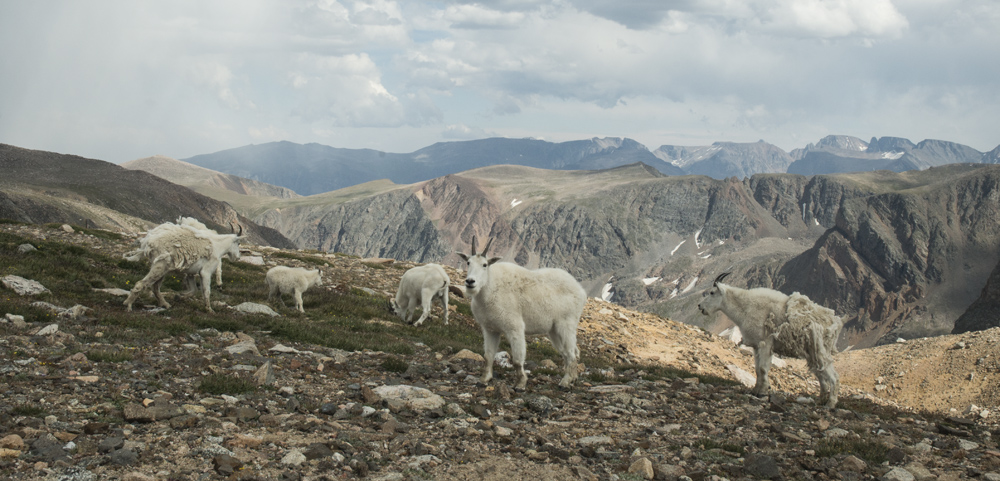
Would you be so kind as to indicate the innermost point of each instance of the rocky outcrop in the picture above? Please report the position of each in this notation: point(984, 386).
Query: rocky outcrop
point(908, 261)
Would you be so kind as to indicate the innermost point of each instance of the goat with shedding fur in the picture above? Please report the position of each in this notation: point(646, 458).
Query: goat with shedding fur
point(512, 301)
point(421, 285)
point(291, 280)
point(171, 247)
point(773, 322)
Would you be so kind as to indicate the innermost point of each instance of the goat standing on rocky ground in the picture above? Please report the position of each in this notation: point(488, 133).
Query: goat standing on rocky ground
point(421, 284)
point(291, 280)
point(791, 326)
point(512, 301)
point(171, 247)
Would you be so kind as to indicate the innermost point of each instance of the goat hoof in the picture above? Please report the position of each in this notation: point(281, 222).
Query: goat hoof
point(519, 389)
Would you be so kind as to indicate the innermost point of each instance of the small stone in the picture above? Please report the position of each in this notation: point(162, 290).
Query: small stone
point(466, 354)
point(898, 474)
point(26, 248)
point(853, 464)
point(14, 442)
point(67, 228)
point(124, 457)
point(225, 464)
point(294, 458)
point(642, 467)
point(761, 466)
point(242, 347)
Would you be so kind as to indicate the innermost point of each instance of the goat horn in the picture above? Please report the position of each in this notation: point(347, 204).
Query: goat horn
point(720, 278)
point(474, 242)
point(488, 242)
point(240, 233)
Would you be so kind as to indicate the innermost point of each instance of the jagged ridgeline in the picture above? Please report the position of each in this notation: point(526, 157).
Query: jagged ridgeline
point(41, 187)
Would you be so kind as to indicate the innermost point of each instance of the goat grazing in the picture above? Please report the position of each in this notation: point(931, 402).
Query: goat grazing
point(421, 284)
point(291, 280)
point(791, 326)
point(171, 247)
point(512, 301)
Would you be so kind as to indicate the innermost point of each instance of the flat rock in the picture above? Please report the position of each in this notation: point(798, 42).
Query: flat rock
point(22, 286)
point(416, 398)
point(255, 308)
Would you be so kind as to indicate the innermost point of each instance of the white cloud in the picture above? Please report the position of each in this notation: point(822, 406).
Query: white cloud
point(120, 79)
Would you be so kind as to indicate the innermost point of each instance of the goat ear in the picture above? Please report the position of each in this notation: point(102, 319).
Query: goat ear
point(463, 256)
point(490, 241)
point(720, 278)
point(475, 244)
point(493, 260)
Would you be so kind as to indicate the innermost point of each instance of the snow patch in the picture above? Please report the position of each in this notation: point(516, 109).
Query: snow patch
point(892, 155)
point(803, 212)
point(697, 243)
point(678, 247)
point(515, 203)
point(673, 293)
point(649, 280)
point(690, 286)
point(606, 292)
point(706, 256)
point(816, 221)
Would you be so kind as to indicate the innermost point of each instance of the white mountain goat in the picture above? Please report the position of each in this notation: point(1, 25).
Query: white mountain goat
point(791, 326)
point(510, 300)
point(421, 284)
point(171, 247)
point(291, 280)
point(191, 280)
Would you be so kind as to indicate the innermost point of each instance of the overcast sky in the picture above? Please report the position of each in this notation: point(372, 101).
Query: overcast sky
point(120, 80)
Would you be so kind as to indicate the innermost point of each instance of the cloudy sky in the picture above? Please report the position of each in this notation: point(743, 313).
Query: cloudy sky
point(119, 80)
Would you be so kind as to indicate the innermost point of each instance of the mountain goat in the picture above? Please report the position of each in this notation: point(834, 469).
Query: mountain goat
point(421, 284)
point(512, 301)
point(171, 247)
point(791, 326)
point(192, 280)
point(291, 280)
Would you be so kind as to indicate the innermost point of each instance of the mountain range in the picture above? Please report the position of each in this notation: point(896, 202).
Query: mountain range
point(313, 168)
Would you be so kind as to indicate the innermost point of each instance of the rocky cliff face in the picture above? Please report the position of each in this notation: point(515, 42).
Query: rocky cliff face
point(905, 262)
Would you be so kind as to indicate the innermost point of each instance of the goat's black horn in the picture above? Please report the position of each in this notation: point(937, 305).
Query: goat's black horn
point(240, 233)
point(720, 278)
point(474, 244)
point(488, 242)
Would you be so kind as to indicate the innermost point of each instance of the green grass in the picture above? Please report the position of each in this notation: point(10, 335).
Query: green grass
point(28, 410)
point(395, 364)
point(871, 450)
point(218, 384)
point(109, 355)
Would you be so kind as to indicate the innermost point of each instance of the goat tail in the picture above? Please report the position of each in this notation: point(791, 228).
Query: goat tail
point(134, 256)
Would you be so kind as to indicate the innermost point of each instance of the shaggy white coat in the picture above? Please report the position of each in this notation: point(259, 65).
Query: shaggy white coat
point(190, 280)
point(291, 280)
point(421, 285)
point(171, 247)
point(512, 301)
point(773, 322)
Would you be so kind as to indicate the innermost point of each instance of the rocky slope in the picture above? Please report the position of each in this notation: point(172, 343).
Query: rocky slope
point(201, 179)
point(43, 187)
point(330, 414)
